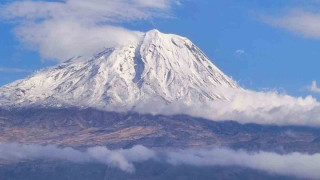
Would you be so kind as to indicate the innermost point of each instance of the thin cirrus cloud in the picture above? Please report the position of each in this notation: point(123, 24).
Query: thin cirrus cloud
point(61, 30)
point(293, 164)
point(298, 21)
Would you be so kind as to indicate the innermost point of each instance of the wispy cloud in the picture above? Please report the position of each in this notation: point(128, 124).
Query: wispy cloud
point(294, 164)
point(313, 87)
point(298, 21)
point(14, 70)
point(239, 52)
point(60, 30)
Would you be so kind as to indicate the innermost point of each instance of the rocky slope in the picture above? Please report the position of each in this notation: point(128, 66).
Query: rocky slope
point(90, 127)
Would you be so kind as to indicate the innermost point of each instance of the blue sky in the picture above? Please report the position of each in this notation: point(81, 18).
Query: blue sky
point(233, 33)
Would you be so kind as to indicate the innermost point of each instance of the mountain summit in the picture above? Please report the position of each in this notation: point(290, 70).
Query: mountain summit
point(162, 67)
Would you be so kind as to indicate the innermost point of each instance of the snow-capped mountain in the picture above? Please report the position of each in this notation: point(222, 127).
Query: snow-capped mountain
point(162, 67)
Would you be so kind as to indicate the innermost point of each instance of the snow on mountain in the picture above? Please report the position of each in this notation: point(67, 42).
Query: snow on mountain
point(163, 67)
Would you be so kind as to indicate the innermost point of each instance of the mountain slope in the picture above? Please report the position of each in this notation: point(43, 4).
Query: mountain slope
point(91, 127)
point(160, 67)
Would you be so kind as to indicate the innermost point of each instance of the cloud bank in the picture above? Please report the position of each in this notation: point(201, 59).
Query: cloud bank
point(61, 30)
point(122, 158)
point(247, 106)
point(294, 164)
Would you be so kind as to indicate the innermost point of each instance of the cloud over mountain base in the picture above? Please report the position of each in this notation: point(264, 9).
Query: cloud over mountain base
point(246, 106)
point(293, 164)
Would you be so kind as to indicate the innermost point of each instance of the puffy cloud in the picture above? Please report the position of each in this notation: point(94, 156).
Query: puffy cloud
point(299, 22)
point(65, 39)
point(61, 30)
point(247, 106)
point(293, 164)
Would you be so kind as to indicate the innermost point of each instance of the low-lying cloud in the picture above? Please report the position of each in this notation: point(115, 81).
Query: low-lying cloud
point(293, 164)
point(247, 106)
point(122, 158)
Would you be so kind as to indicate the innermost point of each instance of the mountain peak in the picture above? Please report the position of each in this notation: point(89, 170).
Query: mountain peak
point(153, 31)
point(163, 67)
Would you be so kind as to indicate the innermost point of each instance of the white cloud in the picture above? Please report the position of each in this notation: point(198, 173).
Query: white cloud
point(153, 3)
point(61, 30)
point(293, 164)
point(87, 11)
point(314, 87)
point(247, 106)
point(14, 70)
point(299, 22)
point(122, 158)
point(239, 52)
point(64, 39)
